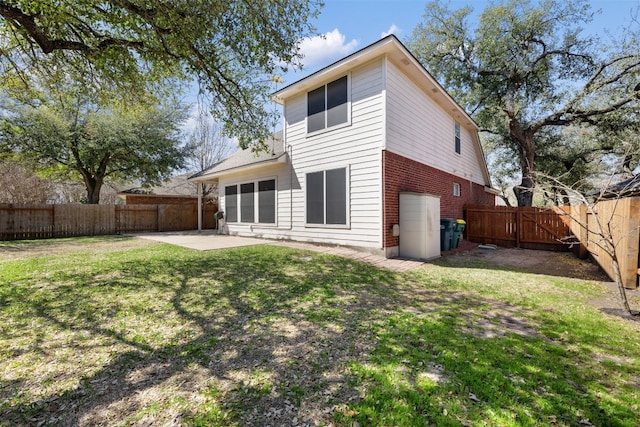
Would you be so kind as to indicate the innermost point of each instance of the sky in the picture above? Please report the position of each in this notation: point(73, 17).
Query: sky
point(349, 25)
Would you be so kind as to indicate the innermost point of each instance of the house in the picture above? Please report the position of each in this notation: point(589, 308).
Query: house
point(356, 135)
point(627, 188)
point(177, 190)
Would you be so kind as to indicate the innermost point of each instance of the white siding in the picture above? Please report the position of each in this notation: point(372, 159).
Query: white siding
point(420, 129)
point(279, 172)
point(357, 146)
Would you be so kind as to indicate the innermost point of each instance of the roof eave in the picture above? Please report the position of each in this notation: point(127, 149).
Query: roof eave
point(281, 159)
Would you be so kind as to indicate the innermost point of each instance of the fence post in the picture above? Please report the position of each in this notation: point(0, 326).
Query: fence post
point(583, 228)
point(518, 226)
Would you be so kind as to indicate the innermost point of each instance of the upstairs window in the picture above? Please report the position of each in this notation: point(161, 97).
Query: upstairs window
point(327, 105)
point(457, 137)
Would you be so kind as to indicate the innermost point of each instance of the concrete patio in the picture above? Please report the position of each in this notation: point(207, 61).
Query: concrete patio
point(207, 240)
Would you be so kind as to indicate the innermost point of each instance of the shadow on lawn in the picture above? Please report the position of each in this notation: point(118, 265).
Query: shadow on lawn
point(280, 337)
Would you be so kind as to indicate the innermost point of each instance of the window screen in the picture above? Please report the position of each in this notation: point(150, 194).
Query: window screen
point(336, 207)
point(327, 105)
point(231, 203)
point(247, 204)
point(315, 198)
point(337, 102)
point(327, 197)
point(315, 110)
point(457, 137)
point(267, 201)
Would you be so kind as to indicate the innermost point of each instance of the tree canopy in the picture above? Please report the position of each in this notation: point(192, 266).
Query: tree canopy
point(527, 69)
point(231, 48)
point(74, 138)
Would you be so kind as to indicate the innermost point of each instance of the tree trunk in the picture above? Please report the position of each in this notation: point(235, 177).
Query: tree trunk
point(93, 193)
point(524, 191)
point(93, 185)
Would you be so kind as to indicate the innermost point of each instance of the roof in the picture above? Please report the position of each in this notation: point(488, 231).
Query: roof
point(627, 188)
point(174, 186)
point(246, 159)
point(396, 52)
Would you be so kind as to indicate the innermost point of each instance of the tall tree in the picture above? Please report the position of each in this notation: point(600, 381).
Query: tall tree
point(230, 47)
point(74, 138)
point(207, 143)
point(527, 67)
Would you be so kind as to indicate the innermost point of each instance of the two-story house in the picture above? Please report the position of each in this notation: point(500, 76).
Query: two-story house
point(356, 134)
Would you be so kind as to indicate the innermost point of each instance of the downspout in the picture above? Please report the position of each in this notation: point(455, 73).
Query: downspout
point(290, 150)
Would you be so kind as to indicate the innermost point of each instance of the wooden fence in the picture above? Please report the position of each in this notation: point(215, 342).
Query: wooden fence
point(46, 221)
point(529, 228)
point(622, 218)
point(564, 228)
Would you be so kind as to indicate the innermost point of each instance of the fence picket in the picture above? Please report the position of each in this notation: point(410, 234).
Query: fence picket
point(564, 228)
point(45, 221)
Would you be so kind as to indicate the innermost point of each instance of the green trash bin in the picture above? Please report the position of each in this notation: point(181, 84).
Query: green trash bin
point(447, 226)
point(457, 233)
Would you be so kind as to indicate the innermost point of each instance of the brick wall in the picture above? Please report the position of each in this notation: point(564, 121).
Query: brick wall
point(403, 174)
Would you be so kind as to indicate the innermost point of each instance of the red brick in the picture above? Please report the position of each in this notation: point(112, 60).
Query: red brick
point(400, 174)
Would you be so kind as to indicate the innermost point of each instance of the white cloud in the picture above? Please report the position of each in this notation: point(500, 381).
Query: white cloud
point(322, 49)
point(393, 29)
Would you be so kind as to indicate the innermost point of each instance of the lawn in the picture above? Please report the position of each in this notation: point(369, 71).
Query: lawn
point(111, 331)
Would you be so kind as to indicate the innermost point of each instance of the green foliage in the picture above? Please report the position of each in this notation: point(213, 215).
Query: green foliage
point(527, 69)
point(231, 48)
point(70, 137)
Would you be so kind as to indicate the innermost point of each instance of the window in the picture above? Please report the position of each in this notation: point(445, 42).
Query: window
point(327, 197)
point(231, 203)
point(264, 200)
point(327, 105)
point(457, 137)
point(247, 202)
point(456, 189)
point(267, 201)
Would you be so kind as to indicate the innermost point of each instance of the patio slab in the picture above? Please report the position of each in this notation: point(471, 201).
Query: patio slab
point(205, 240)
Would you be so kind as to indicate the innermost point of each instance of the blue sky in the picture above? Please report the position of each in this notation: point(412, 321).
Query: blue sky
point(349, 25)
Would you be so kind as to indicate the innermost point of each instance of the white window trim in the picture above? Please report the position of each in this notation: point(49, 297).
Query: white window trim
point(457, 189)
point(346, 226)
point(456, 124)
point(332, 128)
point(256, 201)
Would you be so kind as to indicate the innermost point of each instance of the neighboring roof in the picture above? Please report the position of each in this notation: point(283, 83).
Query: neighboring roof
point(627, 188)
point(175, 186)
point(246, 159)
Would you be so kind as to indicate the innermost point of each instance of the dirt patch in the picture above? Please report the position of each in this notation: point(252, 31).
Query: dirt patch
point(560, 264)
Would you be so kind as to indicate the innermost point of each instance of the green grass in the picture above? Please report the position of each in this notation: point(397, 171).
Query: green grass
point(104, 332)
